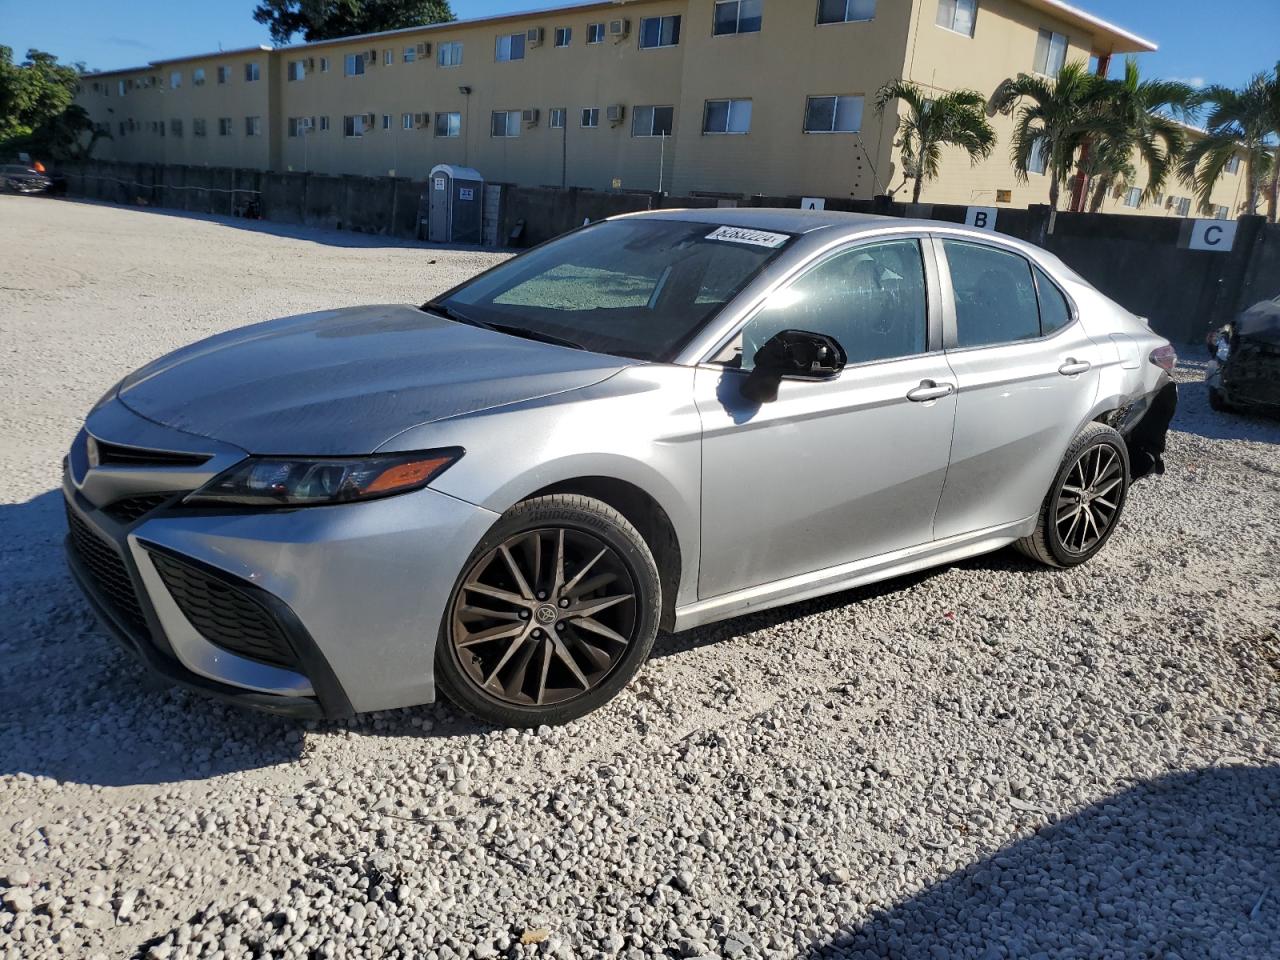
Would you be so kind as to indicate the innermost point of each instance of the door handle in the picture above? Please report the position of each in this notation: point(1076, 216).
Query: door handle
point(1071, 366)
point(928, 390)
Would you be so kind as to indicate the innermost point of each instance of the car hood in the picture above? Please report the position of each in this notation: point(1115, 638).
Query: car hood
point(346, 381)
point(1261, 322)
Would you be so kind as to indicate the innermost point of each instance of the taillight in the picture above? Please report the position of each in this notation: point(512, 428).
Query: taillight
point(1166, 358)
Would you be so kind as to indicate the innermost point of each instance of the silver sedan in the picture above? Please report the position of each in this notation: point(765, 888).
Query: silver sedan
point(657, 421)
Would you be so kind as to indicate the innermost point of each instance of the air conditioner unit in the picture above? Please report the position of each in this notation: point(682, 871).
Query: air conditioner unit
point(305, 123)
point(421, 119)
point(424, 50)
point(371, 57)
point(619, 28)
point(530, 117)
point(534, 36)
point(615, 112)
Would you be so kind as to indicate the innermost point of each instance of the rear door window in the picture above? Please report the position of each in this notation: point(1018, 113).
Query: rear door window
point(1054, 311)
point(995, 295)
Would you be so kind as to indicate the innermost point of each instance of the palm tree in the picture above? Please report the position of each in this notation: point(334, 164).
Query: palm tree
point(1135, 118)
point(1239, 120)
point(1057, 118)
point(955, 119)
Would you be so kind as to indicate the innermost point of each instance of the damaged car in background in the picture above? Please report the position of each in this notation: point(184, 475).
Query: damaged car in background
point(1244, 361)
point(661, 420)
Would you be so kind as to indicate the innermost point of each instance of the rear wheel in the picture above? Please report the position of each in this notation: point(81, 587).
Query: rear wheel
point(1084, 504)
point(554, 612)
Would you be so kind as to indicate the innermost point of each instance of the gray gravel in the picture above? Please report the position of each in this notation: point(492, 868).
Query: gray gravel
point(989, 761)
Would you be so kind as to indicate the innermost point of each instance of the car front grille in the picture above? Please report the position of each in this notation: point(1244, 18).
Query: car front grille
point(107, 571)
point(133, 509)
point(116, 455)
point(225, 615)
point(1253, 372)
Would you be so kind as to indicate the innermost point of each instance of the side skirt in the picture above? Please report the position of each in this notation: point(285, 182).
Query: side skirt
point(847, 575)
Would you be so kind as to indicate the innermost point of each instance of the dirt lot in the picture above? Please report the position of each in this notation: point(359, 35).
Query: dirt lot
point(989, 761)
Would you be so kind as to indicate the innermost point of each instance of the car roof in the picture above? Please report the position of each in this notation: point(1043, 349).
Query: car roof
point(769, 218)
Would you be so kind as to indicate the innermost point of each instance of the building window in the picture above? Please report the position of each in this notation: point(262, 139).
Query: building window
point(1233, 165)
point(509, 48)
point(297, 70)
point(251, 72)
point(224, 126)
point(175, 127)
point(845, 11)
point(386, 121)
point(652, 121)
point(410, 54)
point(406, 121)
point(555, 118)
point(198, 127)
point(353, 65)
point(353, 126)
point(175, 80)
point(1037, 162)
point(120, 87)
point(252, 126)
point(1184, 206)
point(292, 126)
point(590, 116)
point(737, 16)
point(324, 64)
point(505, 123)
point(224, 75)
point(324, 123)
point(958, 15)
point(448, 124)
point(595, 33)
point(1221, 213)
point(1133, 197)
point(659, 32)
point(450, 54)
point(833, 114)
point(197, 77)
point(1051, 53)
point(727, 116)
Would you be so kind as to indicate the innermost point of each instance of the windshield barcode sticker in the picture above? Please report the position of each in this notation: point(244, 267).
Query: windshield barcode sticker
point(757, 238)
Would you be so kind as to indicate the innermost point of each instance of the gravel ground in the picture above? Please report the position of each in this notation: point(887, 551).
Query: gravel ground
point(991, 760)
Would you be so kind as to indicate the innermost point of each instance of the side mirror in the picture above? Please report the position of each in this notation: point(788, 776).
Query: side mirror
point(792, 355)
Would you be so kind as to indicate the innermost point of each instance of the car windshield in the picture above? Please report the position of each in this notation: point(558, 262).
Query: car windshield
point(639, 288)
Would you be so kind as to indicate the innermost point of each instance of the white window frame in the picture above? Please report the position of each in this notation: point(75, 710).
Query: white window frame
point(410, 54)
point(557, 113)
point(1038, 158)
point(356, 125)
point(835, 112)
point(324, 64)
point(1044, 43)
point(732, 104)
point(388, 57)
point(353, 65)
point(452, 130)
point(197, 77)
point(445, 52)
point(253, 126)
point(1133, 197)
point(386, 121)
point(252, 72)
point(324, 123)
point(297, 71)
point(120, 87)
point(510, 41)
point(591, 114)
point(563, 37)
point(406, 121)
point(511, 120)
point(1233, 165)
point(652, 108)
point(596, 32)
point(950, 10)
point(737, 31)
point(847, 18)
point(675, 20)
point(225, 126)
point(175, 79)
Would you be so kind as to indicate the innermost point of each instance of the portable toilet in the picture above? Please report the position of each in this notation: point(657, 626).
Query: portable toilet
point(456, 209)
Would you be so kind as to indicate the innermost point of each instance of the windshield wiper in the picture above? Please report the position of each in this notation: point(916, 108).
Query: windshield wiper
point(509, 329)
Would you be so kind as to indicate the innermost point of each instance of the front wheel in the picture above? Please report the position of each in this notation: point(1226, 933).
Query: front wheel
point(553, 614)
point(1217, 401)
point(1084, 503)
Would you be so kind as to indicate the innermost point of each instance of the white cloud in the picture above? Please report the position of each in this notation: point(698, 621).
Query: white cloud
point(1198, 82)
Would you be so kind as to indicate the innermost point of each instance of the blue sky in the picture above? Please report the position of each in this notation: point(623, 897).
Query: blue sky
point(1200, 41)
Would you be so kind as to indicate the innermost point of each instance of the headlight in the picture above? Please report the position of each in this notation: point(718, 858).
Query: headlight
point(1222, 348)
point(306, 481)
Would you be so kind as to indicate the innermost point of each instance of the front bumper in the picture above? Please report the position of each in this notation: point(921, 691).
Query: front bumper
point(324, 611)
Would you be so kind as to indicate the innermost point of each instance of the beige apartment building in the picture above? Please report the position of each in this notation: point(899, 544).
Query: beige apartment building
point(719, 97)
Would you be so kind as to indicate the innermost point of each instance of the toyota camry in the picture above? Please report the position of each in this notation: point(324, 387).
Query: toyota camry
point(655, 422)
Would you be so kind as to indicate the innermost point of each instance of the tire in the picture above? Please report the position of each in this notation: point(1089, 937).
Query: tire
point(1056, 544)
point(578, 639)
